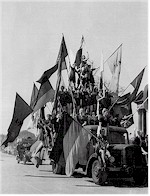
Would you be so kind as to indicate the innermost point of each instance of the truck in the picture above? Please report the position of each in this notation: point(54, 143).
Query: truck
point(129, 162)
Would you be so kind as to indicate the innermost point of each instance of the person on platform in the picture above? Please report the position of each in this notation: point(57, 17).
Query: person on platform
point(82, 119)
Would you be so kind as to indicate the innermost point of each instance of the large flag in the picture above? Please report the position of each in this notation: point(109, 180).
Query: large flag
point(33, 96)
point(71, 143)
point(21, 111)
point(61, 65)
point(45, 94)
point(75, 146)
point(114, 63)
point(136, 84)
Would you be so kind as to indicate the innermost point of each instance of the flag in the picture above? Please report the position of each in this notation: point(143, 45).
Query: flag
point(57, 151)
point(70, 143)
point(123, 107)
point(142, 96)
point(21, 111)
point(78, 58)
point(136, 84)
point(74, 146)
point(114, 63)
point(61, 65)
point(47, 74)
point(45, 94)
point(33, 96)
point(62, 55)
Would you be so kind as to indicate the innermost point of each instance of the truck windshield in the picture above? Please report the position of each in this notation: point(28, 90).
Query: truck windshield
point(118, 138)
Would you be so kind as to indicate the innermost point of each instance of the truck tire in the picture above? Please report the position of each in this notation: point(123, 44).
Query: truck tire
point(99, 176)
point(140, 177)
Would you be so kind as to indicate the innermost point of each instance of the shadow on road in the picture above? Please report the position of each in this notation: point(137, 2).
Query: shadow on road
point(87, 185)
point(45, 176)
point(120, 184)
point(46, 170)
point(79, 175)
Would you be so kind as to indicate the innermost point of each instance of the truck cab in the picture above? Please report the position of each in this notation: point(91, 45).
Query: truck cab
point(128, 159)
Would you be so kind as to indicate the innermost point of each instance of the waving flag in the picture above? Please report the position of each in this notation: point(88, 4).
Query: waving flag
point(136, 84)
point(123, 107)
point(61, 65)
point(114, 63)
point(78, 57)
point(71, 143)
point(45, 94)
point(21, 111)
point(75, 145)
point(47, 74)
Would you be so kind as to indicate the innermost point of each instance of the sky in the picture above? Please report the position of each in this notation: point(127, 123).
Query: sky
point(31, 34)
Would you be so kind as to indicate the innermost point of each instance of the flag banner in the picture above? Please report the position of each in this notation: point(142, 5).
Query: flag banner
point(21, 111)
point(33, 96)
point(78, 57)
point(47, 74)
point(75, 146)
point(61, 59)
point(70, 144)
point(123, 107)
point(142, 96)
point(57, 151)
point(139, 98)
point(45, 94)
point(114, 63)
point(136, 84)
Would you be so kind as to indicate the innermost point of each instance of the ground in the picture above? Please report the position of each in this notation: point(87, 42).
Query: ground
point(27, 179)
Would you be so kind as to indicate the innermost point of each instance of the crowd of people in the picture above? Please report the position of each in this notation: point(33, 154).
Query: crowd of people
point(85, 102)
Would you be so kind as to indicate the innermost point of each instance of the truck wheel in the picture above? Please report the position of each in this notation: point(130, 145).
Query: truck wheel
point(140, 178)
point(99, 176)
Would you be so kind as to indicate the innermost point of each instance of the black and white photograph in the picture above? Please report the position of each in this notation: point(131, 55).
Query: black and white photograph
point(74, 97)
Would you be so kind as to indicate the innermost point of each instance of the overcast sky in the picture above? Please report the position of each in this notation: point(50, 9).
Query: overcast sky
point(32, 32)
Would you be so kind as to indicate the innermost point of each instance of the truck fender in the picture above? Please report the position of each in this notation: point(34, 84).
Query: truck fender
point(91, 159)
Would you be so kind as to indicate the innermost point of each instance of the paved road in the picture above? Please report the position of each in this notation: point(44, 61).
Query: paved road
point(27, 179)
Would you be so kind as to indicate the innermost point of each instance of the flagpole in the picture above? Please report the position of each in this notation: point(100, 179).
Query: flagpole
point(113, 53)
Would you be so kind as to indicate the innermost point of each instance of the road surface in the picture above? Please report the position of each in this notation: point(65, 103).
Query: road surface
point(27, 179)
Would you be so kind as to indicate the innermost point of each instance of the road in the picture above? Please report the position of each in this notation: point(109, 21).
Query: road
point(27, 179)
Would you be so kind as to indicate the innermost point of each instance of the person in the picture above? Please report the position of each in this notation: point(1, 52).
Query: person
point(102, 132)
point(93, 119)
point(104, 121)
point(41, 138)
point(102, 149)
point(48, 127)
point(125, 121)
point(82, 119)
